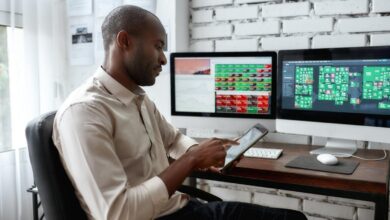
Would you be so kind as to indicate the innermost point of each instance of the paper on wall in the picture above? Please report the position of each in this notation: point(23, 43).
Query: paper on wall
point(149, 5)
point(103, 7)
point(81, 41)
point(79, 7)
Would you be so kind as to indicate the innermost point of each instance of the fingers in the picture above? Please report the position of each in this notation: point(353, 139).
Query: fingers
point(229, 142)
point(225, 142)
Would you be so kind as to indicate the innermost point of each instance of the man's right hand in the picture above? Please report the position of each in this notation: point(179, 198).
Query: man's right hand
point(210, 153)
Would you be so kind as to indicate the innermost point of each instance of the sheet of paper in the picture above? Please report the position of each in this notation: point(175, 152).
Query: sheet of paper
point(79, 7)
point(103, 7)
point(81, 49)
point(149, 5)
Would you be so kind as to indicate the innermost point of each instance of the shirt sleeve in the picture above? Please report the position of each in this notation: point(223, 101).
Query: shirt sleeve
point(83, 135)
point(176, 143)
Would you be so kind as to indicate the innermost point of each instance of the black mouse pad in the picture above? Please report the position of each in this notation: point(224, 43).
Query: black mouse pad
point(344, 166)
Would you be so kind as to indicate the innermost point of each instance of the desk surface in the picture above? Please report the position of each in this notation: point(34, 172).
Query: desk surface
point(369, 176)
point(369, 181)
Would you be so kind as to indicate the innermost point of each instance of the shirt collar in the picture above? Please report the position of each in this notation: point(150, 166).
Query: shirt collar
point(115, 88)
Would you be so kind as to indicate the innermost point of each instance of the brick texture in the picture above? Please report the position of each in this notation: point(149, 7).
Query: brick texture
point(380, 6)
point(237, 45)
point(285, 43)
point(341, 7)
point(244, 12)
point(212, 31)
point(308, 25)
point(286, 10)
point(276, 201)
point(202, 16)
point(364, 24)
point(334, 41)
point(326, 209)
point(258, 28)
point(205, 3)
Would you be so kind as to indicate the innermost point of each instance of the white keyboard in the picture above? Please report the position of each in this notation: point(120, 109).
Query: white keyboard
point(268, 153)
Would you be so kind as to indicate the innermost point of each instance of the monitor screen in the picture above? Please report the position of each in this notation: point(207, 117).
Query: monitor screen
point(336, 85)
point(223, 84)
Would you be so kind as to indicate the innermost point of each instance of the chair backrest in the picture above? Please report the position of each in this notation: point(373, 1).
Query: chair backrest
point(55, 190)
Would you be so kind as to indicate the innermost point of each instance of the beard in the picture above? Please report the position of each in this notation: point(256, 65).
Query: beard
point(141, 69)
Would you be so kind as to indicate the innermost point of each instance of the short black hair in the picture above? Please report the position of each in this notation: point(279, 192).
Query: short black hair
point(126, 17)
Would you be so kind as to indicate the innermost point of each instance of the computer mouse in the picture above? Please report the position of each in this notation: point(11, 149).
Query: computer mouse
point(327, 159)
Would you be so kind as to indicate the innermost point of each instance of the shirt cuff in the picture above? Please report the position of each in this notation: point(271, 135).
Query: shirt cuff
point(158, 193)
point(181, 146)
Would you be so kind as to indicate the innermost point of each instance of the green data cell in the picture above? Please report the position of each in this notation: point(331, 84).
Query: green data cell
point(376, 82)
point(383, 105)
point(305, 102)
point(333, 84)
point(304, 87)
point(243, 77)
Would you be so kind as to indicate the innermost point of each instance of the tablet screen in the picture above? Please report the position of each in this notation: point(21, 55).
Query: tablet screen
point(250, 138)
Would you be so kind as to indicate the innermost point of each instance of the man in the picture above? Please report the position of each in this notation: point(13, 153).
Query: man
point(115, 144)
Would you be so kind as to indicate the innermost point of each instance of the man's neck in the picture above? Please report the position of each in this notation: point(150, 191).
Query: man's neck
point(122, 77)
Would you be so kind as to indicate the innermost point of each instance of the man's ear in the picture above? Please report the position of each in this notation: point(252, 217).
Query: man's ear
point(124, 40)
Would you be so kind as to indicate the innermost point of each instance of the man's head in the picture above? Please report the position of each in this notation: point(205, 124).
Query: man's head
point(133, 40)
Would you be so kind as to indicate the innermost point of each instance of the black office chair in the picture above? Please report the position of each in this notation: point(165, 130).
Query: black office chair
point(55, 190)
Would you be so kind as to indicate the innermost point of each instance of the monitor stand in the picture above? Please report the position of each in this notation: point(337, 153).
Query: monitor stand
point(337, 147)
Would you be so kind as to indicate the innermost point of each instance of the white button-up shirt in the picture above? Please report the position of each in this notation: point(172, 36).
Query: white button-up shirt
point(113, 144)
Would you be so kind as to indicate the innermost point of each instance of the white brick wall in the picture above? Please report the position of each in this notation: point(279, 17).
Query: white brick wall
point(364, 24)
point(237, 45)
point(380, 39)
point(250, 25)
point(244, 12)
point(340, 7)
point(202, 16)
point(212, 31)
point(204, 3)
point(333, 41)
point(257, 28)
point(380, 6)
point(367, 214)
point(254, 1)
point(308, 25)
point(326, 209)
point(276, 201)
point(202, 46)
point(285, 43)
point(286, 10)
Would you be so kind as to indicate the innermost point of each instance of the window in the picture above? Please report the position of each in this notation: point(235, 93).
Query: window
point(5, 86)
point(5, 109)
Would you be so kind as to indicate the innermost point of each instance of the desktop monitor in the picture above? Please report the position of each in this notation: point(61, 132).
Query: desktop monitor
point(223, 92)
point(339, 93)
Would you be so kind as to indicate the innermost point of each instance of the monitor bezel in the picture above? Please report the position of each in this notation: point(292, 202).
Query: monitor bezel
point(271, 54)
point(330, 54)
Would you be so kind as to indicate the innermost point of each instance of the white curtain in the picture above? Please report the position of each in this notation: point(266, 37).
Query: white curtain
point(36, 81)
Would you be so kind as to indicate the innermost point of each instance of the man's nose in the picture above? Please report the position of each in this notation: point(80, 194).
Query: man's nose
point(163, 58)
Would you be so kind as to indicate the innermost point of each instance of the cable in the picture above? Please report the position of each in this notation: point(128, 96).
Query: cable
point(362, 158)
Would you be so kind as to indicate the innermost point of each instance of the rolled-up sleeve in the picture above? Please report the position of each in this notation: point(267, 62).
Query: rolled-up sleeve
point(83, 135)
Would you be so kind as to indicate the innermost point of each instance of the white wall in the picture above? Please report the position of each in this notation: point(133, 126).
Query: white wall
point(257, 25)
